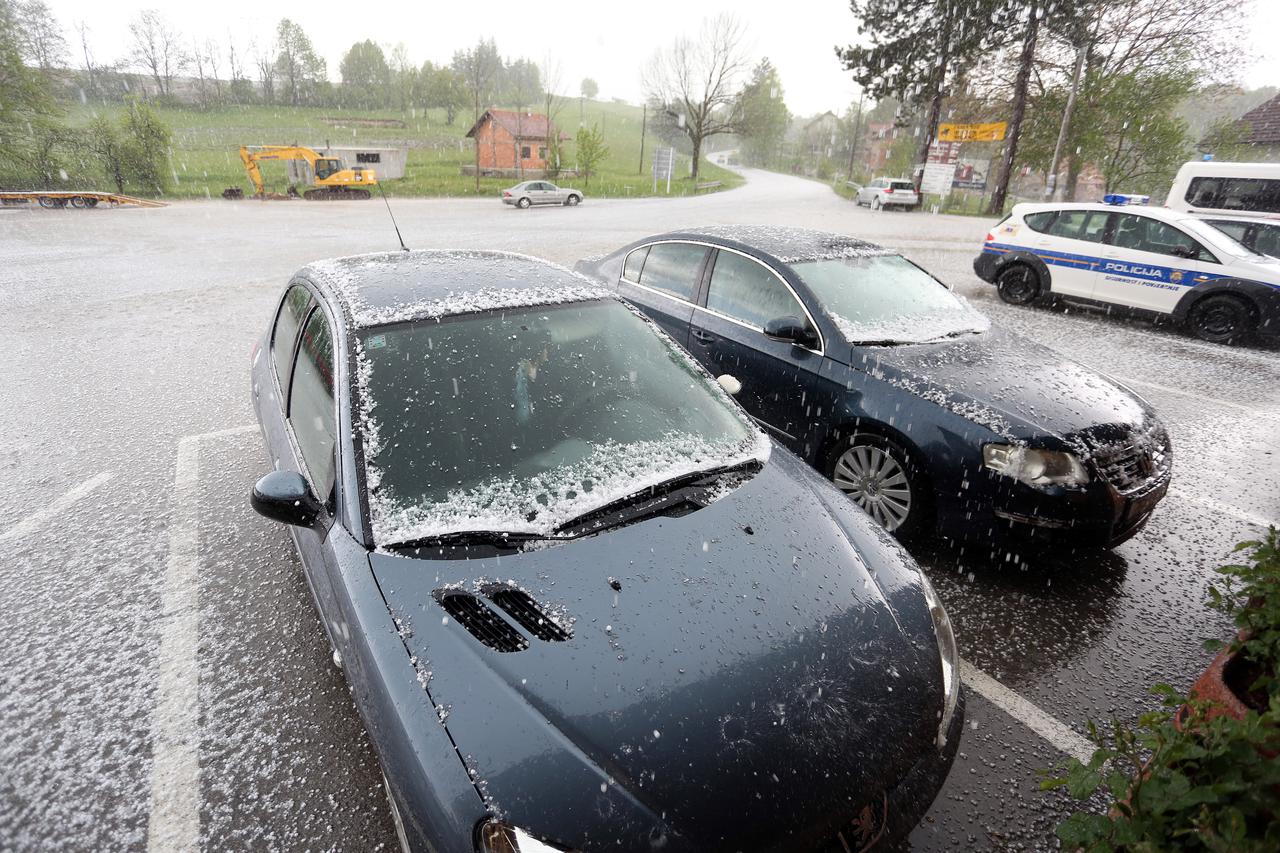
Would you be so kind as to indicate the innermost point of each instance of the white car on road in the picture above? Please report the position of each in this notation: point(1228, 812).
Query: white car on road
point(888, 192)
point(1149, 258)
point(528, 193)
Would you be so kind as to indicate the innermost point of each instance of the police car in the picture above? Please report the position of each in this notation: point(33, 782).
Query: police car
point(1148, 258)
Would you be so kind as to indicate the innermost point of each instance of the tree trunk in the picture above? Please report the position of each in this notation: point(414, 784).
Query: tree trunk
point(1074, 168)
point(1019, 109)
point(697, 155)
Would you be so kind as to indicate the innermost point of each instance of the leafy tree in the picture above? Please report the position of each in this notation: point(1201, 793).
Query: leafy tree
point(763, 116)
point(589, 88)
point(43, 44)
point(403, 77)
point(104, 142)
point(478, 67)
point(300, 69)
point(917, 49)
point(146, 148)
point(156, 48)
point(693, 81)
point(25, 100)
point(519, 84)
point(443, 88)
point(591, 151)
point(366, 76)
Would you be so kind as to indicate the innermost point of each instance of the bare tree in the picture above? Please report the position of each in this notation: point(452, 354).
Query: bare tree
point(693, 81)
point(198, 60)
point(479, 67)
point(156, 50)
point(552, 103)
point(43, 44)
point(211, 54)
point(266, 65)
point(91, 68)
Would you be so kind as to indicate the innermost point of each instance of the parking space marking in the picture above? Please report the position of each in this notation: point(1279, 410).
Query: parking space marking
point(174, 821)
point(1224, 509)
point(1181, 392)
point(63, 503)
point(1056, 733)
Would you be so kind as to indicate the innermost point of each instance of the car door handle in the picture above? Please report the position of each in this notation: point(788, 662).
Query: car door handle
point(702, 337)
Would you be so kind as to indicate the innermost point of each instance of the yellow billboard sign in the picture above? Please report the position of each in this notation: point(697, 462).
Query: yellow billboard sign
point(992, 132)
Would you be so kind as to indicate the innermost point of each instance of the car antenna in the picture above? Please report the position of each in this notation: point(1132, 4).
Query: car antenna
point(393, 218)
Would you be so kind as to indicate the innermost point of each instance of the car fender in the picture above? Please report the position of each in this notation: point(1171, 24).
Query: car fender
point(1265, 298)
point(1031, 259)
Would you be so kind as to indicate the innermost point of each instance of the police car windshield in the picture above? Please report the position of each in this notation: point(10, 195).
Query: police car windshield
point(886, 299)
point(1219, 241)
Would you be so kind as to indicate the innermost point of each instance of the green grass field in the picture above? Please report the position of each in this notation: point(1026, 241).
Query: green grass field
point(205, 145)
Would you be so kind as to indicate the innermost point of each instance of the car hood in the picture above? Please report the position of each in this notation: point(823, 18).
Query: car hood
point(1014, 387)
point(772, 648)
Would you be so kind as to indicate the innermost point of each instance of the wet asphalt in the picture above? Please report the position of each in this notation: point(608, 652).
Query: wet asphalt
point(124, 331)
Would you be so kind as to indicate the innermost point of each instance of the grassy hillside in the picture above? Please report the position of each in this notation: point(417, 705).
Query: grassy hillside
point(205, 144)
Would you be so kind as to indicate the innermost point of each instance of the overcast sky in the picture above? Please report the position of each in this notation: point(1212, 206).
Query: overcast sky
point(609, 40)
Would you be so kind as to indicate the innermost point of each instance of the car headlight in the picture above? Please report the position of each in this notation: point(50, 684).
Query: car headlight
point(1035, 467)
point(950, 658)
point(498, 837)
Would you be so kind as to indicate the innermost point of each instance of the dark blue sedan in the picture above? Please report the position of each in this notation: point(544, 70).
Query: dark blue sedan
point(899, 392)
point(582, 601)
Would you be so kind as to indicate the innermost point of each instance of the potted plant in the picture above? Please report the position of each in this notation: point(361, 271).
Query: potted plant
point(1200, 773)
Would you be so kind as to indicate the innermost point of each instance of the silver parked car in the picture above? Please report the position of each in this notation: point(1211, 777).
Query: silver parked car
point(540, 192)
point(888, 192)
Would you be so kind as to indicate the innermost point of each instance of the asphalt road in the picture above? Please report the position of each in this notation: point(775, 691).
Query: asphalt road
point(125, 349)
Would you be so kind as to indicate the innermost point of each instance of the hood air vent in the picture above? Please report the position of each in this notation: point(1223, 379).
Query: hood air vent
point(521, 607)
point(485, 625)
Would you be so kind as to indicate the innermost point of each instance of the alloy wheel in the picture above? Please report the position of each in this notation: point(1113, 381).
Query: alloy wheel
point(875, 481)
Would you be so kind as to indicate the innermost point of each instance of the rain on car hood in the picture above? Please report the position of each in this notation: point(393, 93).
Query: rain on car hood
point(779, 666)
point(1004, 382)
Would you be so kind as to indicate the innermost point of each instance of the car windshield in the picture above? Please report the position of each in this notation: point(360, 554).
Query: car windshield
point(520, 420)
point(1217, 239)
point(886, 299)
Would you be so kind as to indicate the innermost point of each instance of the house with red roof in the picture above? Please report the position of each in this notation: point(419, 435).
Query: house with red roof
point(513, 144)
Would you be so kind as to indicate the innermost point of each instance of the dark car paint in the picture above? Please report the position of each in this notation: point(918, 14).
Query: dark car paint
point(921, 396)
point(438, 705)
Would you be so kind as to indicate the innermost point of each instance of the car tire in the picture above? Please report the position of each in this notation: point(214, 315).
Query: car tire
point(401, 836)
point(523, 203)
point(1221, 319)
point(883, 479)
point(572, 200)
point(1018, 284)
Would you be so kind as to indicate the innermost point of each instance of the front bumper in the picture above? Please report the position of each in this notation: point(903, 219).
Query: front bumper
point(985, 266)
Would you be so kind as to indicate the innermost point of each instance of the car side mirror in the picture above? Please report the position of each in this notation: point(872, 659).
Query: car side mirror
point(791, 329)
point(284, 496)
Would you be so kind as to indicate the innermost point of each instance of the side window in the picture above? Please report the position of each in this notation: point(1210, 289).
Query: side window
point(634, 263)
point(1095, 227)
point(1266, 240)
point(1234, 230)
point(672, 268)
point(1254, 194)
point(295, 304)
point(1080, 225)
point(1152, 235)
point(747, 291)
point(524, 152)
point(1039, 221)
point(311, 403)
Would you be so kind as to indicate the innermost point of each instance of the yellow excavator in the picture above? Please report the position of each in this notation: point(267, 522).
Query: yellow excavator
point(331, 180)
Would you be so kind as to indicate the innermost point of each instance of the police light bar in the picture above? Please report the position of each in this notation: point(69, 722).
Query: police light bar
point(1125, 198)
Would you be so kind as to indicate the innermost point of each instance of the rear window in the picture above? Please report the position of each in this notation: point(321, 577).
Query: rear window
point(634, 263)
point(1253, 194)
point(903, 185)
point(1039, 221)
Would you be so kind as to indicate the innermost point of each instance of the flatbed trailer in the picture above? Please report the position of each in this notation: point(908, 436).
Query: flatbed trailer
point(74, 198)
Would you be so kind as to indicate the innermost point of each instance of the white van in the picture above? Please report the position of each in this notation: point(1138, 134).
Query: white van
point(1244, 189)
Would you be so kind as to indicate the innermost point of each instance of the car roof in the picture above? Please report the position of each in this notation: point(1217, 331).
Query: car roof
point(1232, 217)
point(1153, 211)
point(784, 244)
point(394, 287)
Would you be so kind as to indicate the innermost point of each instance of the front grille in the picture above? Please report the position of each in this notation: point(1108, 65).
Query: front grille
point(481, 622)
point(1133, 463)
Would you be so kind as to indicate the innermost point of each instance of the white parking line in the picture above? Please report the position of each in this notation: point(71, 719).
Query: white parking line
point(1056, 733)
point(174, 822)
point(63, 503)
point(1224, 509)
point(1182, 392)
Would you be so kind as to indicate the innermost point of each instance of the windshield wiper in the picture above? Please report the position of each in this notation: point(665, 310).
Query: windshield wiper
point(956, 334)
point(499, 538)
point(660, 499)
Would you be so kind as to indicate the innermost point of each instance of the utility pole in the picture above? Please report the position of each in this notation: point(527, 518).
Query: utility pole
point(853, 144)
point(1051, 179)
point(644, 120)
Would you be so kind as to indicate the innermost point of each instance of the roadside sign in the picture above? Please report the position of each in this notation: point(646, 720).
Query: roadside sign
point(943, 152)
point(664, 161)
point(937, 178)
point(990, 132)
point(971, 174)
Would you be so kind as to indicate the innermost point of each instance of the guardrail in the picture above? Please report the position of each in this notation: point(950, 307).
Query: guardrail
point(707, 185)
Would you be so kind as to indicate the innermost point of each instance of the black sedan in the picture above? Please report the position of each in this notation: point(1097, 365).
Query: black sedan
point(582, 601)
point(899, 392)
